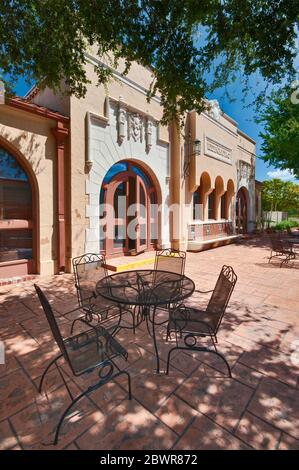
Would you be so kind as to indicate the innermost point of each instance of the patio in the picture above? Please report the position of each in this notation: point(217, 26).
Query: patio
point(196, 406)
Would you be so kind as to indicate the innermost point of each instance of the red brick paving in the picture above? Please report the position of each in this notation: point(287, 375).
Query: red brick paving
point(197, 406)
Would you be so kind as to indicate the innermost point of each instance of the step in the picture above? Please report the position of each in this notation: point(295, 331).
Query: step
point(126, 263)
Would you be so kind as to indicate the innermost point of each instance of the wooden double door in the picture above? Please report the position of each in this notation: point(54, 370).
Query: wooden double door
point(129, 216)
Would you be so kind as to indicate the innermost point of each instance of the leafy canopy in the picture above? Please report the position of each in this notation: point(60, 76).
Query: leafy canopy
point(192, 46)
point(281, 130)
point(278, 195)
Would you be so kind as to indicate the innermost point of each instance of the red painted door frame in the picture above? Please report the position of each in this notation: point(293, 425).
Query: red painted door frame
point(60, 132)
point(110, 188)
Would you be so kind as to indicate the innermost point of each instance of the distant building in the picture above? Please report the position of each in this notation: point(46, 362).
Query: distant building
point(60, 171)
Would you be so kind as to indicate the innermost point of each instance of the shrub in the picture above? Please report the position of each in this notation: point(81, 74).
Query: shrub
point(284, 224)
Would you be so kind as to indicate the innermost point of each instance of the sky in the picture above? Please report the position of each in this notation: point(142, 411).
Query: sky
point(239, 110)
point(242, 110)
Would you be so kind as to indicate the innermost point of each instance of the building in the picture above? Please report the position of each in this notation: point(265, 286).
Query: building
point(65, 162)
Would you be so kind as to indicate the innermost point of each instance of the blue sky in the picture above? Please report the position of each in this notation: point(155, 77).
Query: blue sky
point(242, 110)
point(237, 109)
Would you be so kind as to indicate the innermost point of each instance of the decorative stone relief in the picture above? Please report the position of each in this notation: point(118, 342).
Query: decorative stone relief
point(214, 111)
point(135, 127)
point(121, 120)
point(149, 132)
point(244, 170)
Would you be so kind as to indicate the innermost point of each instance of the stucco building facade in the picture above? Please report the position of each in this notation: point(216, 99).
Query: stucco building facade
point(100, 167)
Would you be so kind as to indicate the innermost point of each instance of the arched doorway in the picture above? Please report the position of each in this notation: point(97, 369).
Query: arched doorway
point(241, 211)
point(128, 210)
point(17, 217)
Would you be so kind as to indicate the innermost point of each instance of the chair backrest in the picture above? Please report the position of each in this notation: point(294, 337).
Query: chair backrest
point(221, 294)
point(52, 321)
point(170, 260)
point(276, 242)
point(88, 270)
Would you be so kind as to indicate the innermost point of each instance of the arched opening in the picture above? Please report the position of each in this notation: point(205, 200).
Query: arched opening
point(230, 191)
point(128, 210)
point(242, 210)
point(18, 235)
point(219, 199)
point(203, 199)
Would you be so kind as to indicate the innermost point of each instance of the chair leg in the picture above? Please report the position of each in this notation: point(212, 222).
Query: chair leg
point(76, 319)
point(168, 359)
point(45, 372)
point(90, 389)
point(199, 350)
point(65, 413)
point(214, 343)
point(167, 333)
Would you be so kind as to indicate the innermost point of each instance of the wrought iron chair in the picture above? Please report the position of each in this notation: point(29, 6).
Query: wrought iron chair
point(85, 352)
point(281, 247)
point(88, 270)
point(191, 323)
point(170, 260)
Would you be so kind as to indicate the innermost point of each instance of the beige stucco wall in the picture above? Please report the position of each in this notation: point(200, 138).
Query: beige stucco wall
point(31, 136)
point(55, 101)
point(83, 202)
point(224, 133)
point(81, 182)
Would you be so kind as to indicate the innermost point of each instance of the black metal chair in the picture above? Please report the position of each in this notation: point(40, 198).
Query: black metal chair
point(85, 352)
point(281, 248)
point(170, 260)
point(88, 270)
point(190, 323)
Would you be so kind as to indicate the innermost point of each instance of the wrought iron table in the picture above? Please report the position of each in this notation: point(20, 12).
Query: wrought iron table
point(147, 289)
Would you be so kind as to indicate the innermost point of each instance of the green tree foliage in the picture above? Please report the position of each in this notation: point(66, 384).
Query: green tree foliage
point(278, 195)
point(192, 46)
point(281, 135)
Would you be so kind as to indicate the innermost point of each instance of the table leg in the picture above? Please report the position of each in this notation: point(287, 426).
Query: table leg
point(155, 341)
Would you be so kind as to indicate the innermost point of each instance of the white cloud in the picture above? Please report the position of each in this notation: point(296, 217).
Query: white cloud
point(285, 175)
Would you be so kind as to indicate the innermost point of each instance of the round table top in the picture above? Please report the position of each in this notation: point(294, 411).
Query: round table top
point(145, 287)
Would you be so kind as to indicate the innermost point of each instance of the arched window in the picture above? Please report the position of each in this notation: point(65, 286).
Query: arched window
point(15, 215)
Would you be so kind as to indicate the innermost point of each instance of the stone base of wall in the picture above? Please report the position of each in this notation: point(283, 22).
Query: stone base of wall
point(209, 230)
point(17, 280)
point(200, 245)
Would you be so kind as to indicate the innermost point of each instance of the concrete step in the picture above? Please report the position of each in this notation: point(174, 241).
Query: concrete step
point(125, 263)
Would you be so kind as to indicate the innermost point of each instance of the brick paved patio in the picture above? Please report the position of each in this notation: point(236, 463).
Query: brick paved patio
point(196, 406)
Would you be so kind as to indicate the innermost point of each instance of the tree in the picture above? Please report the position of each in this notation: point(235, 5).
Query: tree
point(192, 46)
point(281, 135)
point(278, 195)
